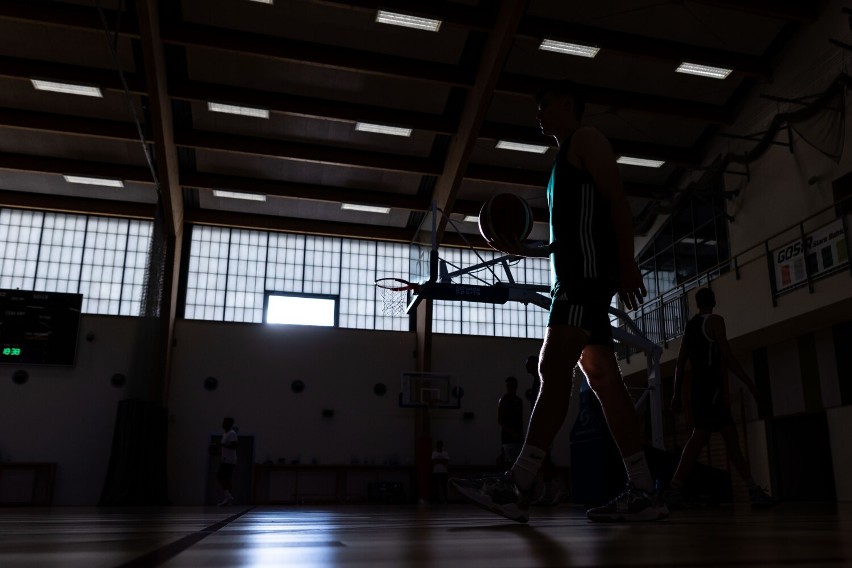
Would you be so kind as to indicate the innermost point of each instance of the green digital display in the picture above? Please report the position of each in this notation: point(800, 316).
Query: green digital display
point(12, 351)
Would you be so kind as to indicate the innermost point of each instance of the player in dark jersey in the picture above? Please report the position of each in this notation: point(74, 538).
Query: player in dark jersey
point(705, 347)
point(591, 257)
point(510, 418)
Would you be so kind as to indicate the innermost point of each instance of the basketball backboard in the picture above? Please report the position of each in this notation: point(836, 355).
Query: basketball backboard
point(432, 390)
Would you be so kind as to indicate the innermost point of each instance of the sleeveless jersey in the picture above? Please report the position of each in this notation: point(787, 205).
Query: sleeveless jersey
point(583, 242)
point(706, 360)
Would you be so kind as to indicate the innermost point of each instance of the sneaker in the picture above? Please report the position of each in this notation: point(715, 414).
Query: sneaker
point(760, 499)
point(631, 505)
point(498, 494)
point(225, 502)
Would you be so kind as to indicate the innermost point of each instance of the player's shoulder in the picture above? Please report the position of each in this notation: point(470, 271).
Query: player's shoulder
point(589, 140)
point(585, 134)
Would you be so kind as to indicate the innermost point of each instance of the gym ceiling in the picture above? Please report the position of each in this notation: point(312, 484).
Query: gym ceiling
point(312, 78)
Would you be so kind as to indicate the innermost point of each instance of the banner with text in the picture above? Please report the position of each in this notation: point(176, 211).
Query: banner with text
point(820, 253)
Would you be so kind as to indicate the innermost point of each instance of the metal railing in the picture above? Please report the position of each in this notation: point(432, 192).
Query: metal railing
point(663, 319)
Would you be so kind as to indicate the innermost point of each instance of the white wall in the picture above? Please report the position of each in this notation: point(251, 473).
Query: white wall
point(67, 414)
point(255, 365)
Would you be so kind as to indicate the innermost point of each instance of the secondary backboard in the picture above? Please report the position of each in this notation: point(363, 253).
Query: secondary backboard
point(433, 390)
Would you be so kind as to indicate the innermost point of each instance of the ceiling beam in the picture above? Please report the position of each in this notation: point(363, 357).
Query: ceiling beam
point(531, 135)
point(297, 225)
point(517, 85)
point(537, 29)
point(18, 68)
point(203, 140)
point(76, 205)
point(306, 53)
point(165, 150)
point(217, 141)
point(311, 106)
point(790, 10)
point(476, 104)
point(305, 191)
point(525, 86)
point(530, 178)
point(450, 13)
point(64, 15)
point(60, 166)
point(65, 124)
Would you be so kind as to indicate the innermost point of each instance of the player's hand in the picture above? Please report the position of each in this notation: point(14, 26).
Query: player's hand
point(511, 245)
point(631, 287)
point(676, 404)
point(508, 245)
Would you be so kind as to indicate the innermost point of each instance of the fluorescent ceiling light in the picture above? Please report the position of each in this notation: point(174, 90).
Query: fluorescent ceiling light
point(240, 110)
point(394, 19)
point(631, 161)
point(569, 48)
point(520, 147)
point(703, 70)
point(471, 219)
point(264, 1)
point(67, 88)
point(94, 181)
point(382, 129)
point(365, 208)
point(239, 195)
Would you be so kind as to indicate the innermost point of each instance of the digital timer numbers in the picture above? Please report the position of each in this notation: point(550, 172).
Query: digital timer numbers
point(12, 351)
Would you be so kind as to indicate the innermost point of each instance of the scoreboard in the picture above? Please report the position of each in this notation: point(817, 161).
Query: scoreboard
point(39, 328)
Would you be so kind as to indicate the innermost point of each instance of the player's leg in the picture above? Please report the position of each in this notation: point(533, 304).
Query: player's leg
point(638, 501)
point(509, 495)
point(224, 477)
point(732, 447)
point(696, 442)
point(758, 496)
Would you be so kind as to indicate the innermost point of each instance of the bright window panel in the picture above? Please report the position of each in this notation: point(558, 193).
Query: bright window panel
point(300, 310)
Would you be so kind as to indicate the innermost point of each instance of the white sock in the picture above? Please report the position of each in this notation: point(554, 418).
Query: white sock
point(527, 465)
point(638, 473)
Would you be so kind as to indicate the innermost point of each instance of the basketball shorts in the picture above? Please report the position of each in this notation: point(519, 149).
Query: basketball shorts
point(710, 411)
point(584, 304)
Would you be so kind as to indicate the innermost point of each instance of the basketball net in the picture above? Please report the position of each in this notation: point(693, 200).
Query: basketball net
point(393, 301)
point(394, 294)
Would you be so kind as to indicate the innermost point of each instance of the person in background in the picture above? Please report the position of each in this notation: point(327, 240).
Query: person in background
point(440, 468)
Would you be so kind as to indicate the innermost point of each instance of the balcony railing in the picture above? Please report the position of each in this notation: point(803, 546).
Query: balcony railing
point(816, 247)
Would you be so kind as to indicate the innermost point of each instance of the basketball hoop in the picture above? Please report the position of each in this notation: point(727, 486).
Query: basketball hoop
point(394, 294)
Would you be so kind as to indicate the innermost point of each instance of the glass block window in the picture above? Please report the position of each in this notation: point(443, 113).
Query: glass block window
point(207, 274)
point(20, 235)
point(232, 271)
point(511, 319)
point(103, 258)
point(246, 276)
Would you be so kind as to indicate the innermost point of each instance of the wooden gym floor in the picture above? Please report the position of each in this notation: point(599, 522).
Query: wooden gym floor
point(397, 536)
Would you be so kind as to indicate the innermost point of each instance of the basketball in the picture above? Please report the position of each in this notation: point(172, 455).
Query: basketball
point(503, 217)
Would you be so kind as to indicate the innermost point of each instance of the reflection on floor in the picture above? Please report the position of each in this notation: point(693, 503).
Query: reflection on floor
point(394, 536)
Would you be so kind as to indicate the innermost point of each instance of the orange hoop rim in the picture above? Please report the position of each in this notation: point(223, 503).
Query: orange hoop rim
point(395, 284)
